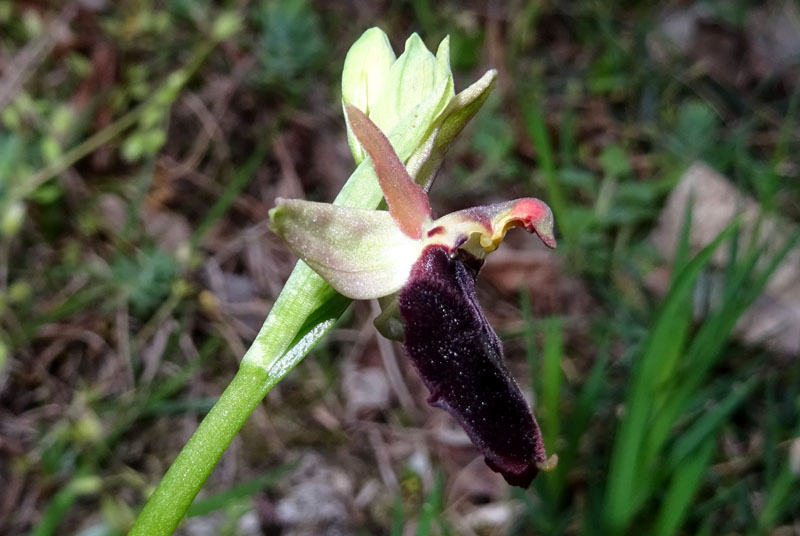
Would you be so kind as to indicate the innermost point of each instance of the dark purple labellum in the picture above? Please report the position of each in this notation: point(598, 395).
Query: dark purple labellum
point(460, 359)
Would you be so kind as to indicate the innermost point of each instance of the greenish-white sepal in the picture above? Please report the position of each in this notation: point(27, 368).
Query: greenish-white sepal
point(415, 126)
point(364, 74)
point(362, 253)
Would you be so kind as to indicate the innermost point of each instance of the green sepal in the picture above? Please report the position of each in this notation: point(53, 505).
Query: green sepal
point(361, 253)
point(416, 80)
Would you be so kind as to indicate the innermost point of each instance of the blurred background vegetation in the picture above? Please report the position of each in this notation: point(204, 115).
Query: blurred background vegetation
point(142, 144)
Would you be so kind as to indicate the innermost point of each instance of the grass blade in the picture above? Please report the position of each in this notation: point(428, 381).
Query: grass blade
point(682, 488)
point(551, 394)
point(83, 484)
point(240, 181)
point(706, 347)
point(397, 518)
point(432, 507)
point(223, 499)
point(779, 499)
point(537, 128)
point(551, 381)
point(624, 495)
point(708, 424)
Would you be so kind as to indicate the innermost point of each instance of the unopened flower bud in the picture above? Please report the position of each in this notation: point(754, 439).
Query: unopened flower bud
point(402, 96)
point(366, 68)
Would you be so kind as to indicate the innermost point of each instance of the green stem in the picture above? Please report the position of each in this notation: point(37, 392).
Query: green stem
point(191, 468)
point(268, 360)
point(284, 339)
point(275, 351)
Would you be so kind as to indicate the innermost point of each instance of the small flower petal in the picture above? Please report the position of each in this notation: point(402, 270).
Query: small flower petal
point(460, 359)
point(361, 253)
point(408, 203)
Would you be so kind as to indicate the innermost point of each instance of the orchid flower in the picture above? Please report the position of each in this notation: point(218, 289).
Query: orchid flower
point(429, 266)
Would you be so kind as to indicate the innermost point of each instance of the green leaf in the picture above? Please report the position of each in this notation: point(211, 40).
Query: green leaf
point(708, 424)
point(432, 507)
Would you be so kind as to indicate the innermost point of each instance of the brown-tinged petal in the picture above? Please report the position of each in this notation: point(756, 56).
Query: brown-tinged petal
point(407, 201)
point(460, 359)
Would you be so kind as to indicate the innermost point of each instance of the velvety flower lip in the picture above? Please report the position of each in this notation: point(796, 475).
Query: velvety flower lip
point(425, 271)
point(460, 359)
